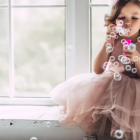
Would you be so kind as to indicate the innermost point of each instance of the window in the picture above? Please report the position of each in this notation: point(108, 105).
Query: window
point(32, 50)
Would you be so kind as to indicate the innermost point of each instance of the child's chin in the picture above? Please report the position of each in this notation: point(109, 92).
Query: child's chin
point(129, 35)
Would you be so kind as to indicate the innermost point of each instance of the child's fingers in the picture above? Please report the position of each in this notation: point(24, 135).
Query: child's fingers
point(126, 51)
point(111, 25)
point(110, 31)
point(126, 54)
point(109, 28)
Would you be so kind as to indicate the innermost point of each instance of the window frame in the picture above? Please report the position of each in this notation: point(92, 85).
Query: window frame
point(77, 52)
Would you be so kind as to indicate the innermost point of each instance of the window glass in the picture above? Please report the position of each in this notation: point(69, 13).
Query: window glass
point(98, 29)
point(39, 50)
point(3, 1)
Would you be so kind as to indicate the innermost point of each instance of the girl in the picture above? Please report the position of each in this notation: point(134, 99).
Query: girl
point(111, 92)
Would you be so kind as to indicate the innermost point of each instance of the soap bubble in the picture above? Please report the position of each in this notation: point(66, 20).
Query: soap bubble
point(120, 22)
point(132, 47)
point(123, 30)
point(112, 34)
point(123, 41)
point(116, 64)
point(126, 43)
point(125, 60)
point(135, 58)
point(109, 49)
point(117, 76)
point(108, 37)
point(118, 134)
point(48, 124)
point(116, 37)
point(126, 47)
point(121, 33)
point(127, 30)
point(114, 29)
point(128, 67)
point(138, 39)
point(112, 58)
point(134, 70)
point(119, 57)
point(126, 34)
point(119, 29)
point(108, 45)
point(104, 65)
point(33, 138)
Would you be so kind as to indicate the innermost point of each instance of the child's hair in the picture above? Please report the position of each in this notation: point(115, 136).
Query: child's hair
point(116, 9)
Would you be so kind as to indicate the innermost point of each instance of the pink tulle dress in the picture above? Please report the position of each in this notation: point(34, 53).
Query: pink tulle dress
point(88, 99)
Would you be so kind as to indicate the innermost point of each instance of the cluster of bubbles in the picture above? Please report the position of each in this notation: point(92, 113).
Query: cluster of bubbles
point(119, 29)
point(123, 59)
point(127, 47)
point(131, 47)
point(48, 124)
point(109, 48)
point(118, 134)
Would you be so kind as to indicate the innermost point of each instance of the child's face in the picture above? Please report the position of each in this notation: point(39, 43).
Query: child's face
point(130, 19)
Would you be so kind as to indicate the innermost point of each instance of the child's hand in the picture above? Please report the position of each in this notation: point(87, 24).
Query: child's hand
point(109, 31)
point(131, 55)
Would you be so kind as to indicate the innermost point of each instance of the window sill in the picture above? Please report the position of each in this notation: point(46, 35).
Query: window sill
point(29, 112)
point(27, 101)
point(24, 122)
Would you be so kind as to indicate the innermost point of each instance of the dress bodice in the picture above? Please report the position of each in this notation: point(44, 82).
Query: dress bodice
point(118, 50)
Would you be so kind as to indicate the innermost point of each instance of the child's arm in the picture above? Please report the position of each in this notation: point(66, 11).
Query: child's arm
point(102, 57)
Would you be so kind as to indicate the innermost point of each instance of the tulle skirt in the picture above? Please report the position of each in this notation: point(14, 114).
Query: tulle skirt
point(88, 99)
